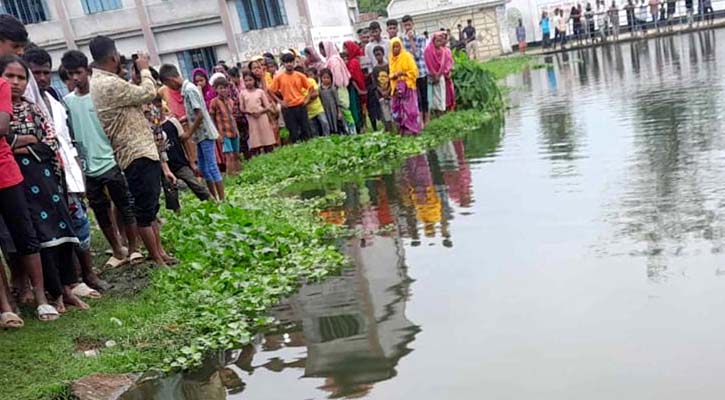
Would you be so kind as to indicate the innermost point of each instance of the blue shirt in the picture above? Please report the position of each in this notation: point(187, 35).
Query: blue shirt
point(420, 43)
point(545, 25)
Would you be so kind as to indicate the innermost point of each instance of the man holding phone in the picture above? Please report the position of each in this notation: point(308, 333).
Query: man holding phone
point(119, 108)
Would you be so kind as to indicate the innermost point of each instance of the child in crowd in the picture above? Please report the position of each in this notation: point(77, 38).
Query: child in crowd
point(289, 87)
point(382, 78)
point(374, 109)
point(201, 128)
point(315, 111)
point(331, 102)
point(380, 59)
point(256, 106)
point(221, 110)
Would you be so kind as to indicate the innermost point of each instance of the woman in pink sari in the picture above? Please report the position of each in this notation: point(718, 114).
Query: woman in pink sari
point(439, 61)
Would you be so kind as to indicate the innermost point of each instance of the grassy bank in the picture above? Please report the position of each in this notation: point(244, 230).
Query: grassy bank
point(238, 258)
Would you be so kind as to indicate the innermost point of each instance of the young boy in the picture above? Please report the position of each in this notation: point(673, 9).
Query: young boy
point(288, 87)
point(379, 53)
point(221, 110)
point(315, 111)
point(201, 128)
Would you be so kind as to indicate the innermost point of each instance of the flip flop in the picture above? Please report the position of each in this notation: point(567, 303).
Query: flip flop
point(9, 320)
point(136, 258)
point(83, 290)
point(114, 262)
point(46, 313)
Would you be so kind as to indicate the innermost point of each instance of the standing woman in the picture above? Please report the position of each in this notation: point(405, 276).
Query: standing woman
point(341, 80)
point(357, 87)
point(439, 61)
point(34, 145)
point(403, 74)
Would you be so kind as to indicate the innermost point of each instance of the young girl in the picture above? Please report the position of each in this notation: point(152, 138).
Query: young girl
point(256, 106)
point(331, 102)
point(34, 145)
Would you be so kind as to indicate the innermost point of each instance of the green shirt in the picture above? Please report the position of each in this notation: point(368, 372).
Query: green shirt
point(92, 143)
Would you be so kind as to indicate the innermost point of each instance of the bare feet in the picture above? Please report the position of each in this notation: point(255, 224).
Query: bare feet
point(60, 305)
point(73, 300)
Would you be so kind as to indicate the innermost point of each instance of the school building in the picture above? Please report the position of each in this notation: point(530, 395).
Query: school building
point(488, 16)
point(188, 33)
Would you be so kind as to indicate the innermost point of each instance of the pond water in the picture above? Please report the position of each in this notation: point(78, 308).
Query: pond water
point(574, 252)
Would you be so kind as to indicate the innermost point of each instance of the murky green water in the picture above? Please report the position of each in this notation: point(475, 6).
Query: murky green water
point(577, 255)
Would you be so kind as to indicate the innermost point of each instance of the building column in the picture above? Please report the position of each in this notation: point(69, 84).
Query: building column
point(306, 21)
point(148, 35)
point(68, 36)
point(228, 31)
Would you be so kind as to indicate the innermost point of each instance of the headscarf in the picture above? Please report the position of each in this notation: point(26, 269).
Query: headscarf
point(340, 74)
point(353, 63)
point(403, 62)
point(216, 76)
point(208, 91)
point(438, 61)
point(312, 59)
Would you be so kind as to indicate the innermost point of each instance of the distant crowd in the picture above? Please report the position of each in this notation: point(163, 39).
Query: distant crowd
point(599, 22)
point(127, 132)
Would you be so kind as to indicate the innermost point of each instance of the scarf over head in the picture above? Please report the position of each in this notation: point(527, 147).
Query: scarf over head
point(340, 74)
point(208, 90)
point(353, 64)
point(439, 61)
point(403, 62)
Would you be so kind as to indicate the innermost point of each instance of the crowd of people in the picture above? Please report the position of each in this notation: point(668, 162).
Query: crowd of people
point(126, 133)
point(599, 22)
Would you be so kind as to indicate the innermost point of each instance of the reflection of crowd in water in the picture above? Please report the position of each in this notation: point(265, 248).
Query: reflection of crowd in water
point(418, 196)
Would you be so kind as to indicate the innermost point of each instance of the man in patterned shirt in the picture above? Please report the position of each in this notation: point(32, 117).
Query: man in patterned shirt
point(119, 108)
point(415, 44)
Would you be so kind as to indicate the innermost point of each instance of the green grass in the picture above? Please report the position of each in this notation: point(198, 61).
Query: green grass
point(502, 67)
point(238, 258)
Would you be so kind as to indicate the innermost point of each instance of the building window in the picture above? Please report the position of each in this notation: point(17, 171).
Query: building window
point(260, 14)
point(27, 11)
point(96, 6)
point(198, 58)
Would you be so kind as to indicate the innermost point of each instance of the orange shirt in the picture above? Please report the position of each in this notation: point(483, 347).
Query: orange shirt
point(291, 86)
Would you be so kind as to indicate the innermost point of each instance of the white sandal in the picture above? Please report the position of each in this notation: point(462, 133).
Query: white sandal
point(46, 313)
point(114, 262)
point(10, 320)
point(83, 290)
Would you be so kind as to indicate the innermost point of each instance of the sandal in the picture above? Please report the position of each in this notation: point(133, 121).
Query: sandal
point(83, 290)
point(114, 262)
point(10, 320)
point(46, 313)
point(136, 258)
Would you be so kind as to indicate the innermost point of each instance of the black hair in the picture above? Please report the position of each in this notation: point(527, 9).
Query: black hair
point(392, 22)
point(300, 69)
point(378, 48)
point(233, 72)
point(74, 59)
point(375, 25)
point(220, 81)
point(37, 56)
point(406, 18)
point(12, 29)
point(288, 57)
point(312, 70)
point(154, 73)
point(251, 75)
point(326, 71)
point(63, 74)
point(102, 47)
point(168, 71)
point(469, 21)
point(11, 59)
point(268, 55)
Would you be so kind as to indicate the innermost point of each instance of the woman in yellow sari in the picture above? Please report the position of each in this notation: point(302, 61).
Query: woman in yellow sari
point(403, 74)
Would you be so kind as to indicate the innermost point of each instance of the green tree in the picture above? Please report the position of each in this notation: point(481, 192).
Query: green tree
point(378, 6)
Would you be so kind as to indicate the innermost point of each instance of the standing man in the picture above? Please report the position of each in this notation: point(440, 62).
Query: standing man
point(365, 63)
point(415, 44)
point(118, 105)
point(469, 38)
point(294, 92)
point(104, 178)
point(376, 40)
point(392, 26)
